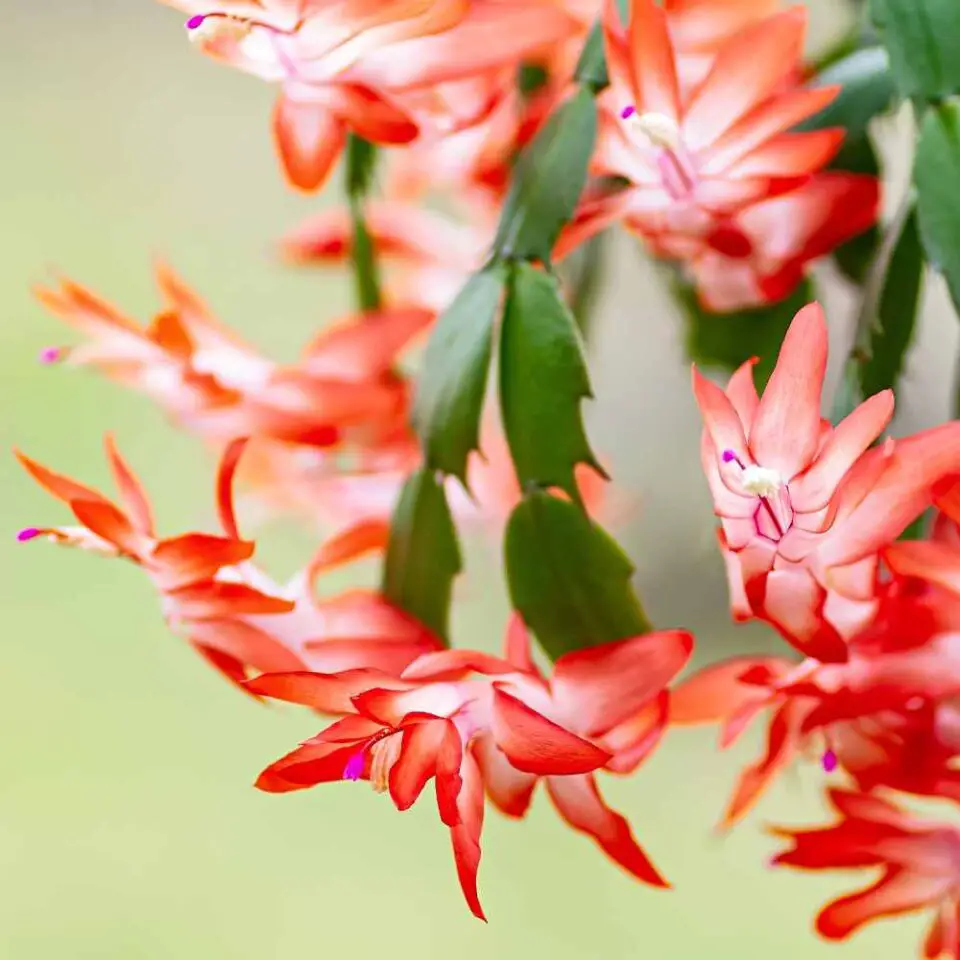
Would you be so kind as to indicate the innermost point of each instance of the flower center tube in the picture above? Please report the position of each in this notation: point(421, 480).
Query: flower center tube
point(677, 172)
point(775, 514)
point(384, 751)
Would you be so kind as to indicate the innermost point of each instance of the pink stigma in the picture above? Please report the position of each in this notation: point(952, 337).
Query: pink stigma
point(729, 456)
point(829, 761)
point(627, 112)
point(354, 768)
point(29, 533)
point(196, 21)
point(50, 355)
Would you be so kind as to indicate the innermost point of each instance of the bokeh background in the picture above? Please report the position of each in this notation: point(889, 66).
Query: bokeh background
point(128, 824)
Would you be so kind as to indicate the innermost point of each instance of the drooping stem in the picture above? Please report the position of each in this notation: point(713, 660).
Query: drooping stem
point(361, 159)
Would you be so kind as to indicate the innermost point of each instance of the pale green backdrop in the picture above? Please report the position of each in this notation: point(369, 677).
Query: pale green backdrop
point(128, 825)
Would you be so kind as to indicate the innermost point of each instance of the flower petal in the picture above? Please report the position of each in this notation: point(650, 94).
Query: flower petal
point(717, 692)
point(786, 432)
point(465, 835)
point(328, 693)
point(605, 685)
point(131, 492)
point(897, 892)
point(510, 790)
point(309, 140)
point(578, 801)
point(534, 744)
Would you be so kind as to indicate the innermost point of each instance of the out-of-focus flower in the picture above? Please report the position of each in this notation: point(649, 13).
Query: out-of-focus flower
point(887, 717)
point(375, 69)
point(310, 49)
point(286, 480)
point(436, 254)
point(806, 507)
point(920, 864)
point(717, 178)
point(236, 616)
point(691, 161)
point(473, 721)
point(344, 390)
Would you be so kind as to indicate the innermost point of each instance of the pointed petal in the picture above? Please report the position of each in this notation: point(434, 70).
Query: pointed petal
point(853, 435)
point(365, 537)
point(534, 744)
point(63, 488)
point(465, 836)
point(748, 70)
point(213, 599)
point(897, 892)
point(603, 686)
point(510, 790)
point(786, 432)
point(742, 391)
point(632, 741)
point(933, 562)
point(516, 645)
point(720, 419)
point(717, 692)
point(309, 140)
point(781, 747)
point(198, 556)
point(108, 523)
point(229, 462)
point(131, 491)
point(246, 644)
point(652, 61)
point(328, 693)
point(417, 762)
point(578, 801)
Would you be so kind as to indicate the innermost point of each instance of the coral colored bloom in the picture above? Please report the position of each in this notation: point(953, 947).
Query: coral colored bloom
point(230, 611)
point(919, 863)
point(473, 721)
point(343, 390)
point(692, 161)
point(311, 50)
point(804, 507)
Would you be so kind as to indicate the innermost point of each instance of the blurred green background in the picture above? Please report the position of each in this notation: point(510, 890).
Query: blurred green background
point(128, 824)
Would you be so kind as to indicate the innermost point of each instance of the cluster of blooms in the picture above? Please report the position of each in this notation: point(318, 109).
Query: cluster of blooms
point(696, 153)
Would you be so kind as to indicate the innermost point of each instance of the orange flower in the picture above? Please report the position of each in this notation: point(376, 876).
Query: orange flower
point(344, 391)
point(231, 612)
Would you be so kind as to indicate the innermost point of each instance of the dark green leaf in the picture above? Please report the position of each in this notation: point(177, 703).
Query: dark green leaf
point(854, 257)
point(568, 578)
point(591, 70)
point(423, 557)
point(361, 162)
point(867, 90)
point(923, 39)
point(723, 341)
point(543, 379)
point(452, 385)
point(918, 529)
point(937, 177)
point(893, 313)
point(547, 181)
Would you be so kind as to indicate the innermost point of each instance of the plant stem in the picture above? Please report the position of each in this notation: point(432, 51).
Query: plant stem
point(361, 158)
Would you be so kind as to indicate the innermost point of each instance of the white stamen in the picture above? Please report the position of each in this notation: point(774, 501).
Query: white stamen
point(214, 29)
point(383, 755)
point(761, 481)
point(660, 130)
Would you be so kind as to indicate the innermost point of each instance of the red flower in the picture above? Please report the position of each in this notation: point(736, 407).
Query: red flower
point(471, 720)
point(920, 864)
point(231, 612)
point(887, 716)
point(805, 507)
